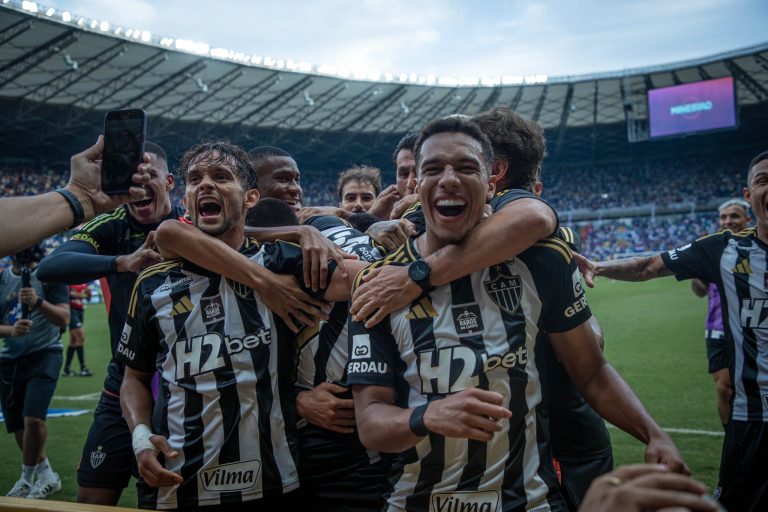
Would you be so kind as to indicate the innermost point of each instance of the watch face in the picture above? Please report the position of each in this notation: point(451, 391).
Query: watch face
point(418, 271)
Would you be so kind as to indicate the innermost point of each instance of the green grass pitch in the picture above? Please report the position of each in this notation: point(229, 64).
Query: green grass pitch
point(654, 338)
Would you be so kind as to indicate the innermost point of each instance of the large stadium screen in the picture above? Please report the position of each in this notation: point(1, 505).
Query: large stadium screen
point(691, 108)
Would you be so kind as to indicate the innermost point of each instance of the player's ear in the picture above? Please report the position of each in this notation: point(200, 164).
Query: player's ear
point(170, 182)
point(499, 169)
point(747, 195)
point(538, 188)
point(251, 198)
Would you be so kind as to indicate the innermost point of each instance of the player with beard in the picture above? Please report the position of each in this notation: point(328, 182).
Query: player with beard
point(451, 381)
point(232, 443)
point(337, 473)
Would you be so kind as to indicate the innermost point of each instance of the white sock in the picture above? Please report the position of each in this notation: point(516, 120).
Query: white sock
point(28, 473)
point(44, 471)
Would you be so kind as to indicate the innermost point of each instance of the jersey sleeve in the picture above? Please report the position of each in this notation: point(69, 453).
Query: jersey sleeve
point(285, 258)
point(562, 292)
point(138, 347)
point(415, 214)
point(373, 355)
point(505, 197)
point(698, 259)
point(570, 237)
point(104, 231)
point(345, 236)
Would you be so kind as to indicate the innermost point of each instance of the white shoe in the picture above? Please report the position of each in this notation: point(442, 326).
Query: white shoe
point(20, 489)
point(44, 488)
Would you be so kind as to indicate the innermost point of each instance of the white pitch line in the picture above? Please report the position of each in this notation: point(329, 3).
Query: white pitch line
point(711, 433)
point(78, 398)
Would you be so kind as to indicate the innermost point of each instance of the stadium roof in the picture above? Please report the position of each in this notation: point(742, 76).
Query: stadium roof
point(47, 62)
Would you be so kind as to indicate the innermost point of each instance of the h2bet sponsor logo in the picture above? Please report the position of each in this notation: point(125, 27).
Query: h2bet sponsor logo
point(754, 313)
point(360, 245)
point(205, 353)
point(238, 476)
point(468, 501)
point(453, 369)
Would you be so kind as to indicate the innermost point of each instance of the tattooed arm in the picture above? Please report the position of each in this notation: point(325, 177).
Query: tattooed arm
point(627, 269)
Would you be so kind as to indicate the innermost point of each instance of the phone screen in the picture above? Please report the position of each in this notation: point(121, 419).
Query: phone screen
point(123, 147)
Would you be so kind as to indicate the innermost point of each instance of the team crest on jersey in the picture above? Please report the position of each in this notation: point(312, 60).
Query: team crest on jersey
point(505, 289)
point(213, 309)
point(97, 457)
point(467, 319)
point(240, 289)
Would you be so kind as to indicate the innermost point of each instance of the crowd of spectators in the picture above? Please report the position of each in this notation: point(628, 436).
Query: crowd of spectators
point(616, 238)
point(671, 182)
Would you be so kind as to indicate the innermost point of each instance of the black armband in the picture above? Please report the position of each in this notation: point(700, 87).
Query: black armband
point(416, 421)
point(78, 213)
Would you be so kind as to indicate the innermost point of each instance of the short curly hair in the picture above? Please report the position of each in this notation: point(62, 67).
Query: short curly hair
point(220, 151)
point(362, 173)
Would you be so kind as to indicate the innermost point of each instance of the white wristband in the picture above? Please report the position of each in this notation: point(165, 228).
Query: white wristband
point(140, 439)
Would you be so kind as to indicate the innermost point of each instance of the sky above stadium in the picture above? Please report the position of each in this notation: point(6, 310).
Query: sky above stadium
point(452, 37)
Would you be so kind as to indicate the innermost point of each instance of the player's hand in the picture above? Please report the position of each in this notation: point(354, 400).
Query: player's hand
point(587, 268)
point(470, 414)
point(141, 258)
point(21, 327)
point(320, 406)
point(391, 234)
point(28, 296)
point(403, 204)
point(150, 468)
point(306, 213)
point(85, 183)
point(645, 487)
point(661, 450)
point(316, 250)
point(287, 300)
point(384, 290)
point(384, 202)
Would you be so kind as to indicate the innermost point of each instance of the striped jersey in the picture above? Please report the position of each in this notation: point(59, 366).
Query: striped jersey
point(323, 349)
point(226, 365)
point(483, 330)
point(736, 263)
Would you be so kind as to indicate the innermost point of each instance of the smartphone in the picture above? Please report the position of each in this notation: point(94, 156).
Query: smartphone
point(124, 135)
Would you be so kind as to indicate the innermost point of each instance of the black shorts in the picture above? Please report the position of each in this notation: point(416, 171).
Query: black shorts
point(576, 476)
point(76, 317)
point(107, 460)
point(338, 474)
point(718, 355)
point(27, 385)
point(743, 484)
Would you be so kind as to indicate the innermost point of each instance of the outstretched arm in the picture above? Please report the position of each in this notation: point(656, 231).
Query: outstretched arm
point(699, 287)
point(504, 234)
point(626, 269)
point(605, 390)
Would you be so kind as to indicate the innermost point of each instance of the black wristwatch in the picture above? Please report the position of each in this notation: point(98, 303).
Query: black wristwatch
point(419, 273)
point(39, 302)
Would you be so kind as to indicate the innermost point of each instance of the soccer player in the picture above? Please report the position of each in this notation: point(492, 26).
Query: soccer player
point(78, 294)
point(28, 220)
point(395, 199)
point(734, 215)
point(31, 318)
point(736, 263)
point(225, 418)
point(451, 381)
point(580, 440)
point(114, 247)
point(358, 187)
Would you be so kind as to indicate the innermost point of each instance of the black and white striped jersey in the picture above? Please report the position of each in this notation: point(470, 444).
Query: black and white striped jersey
point(323, 349)
point(736, 263)
point(226, 367)
point(482, 330)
